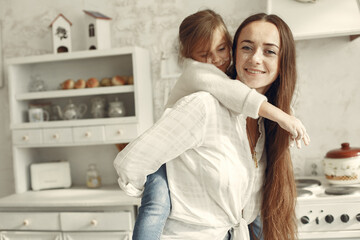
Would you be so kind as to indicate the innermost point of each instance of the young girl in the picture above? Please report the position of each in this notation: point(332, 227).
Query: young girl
point(205, 39)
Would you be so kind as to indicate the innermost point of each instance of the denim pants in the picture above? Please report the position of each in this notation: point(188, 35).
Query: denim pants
point(256, 225)
point(155, 209)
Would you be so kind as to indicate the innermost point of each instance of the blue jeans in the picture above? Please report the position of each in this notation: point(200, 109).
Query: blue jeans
point(256, 225)
point(155, 207)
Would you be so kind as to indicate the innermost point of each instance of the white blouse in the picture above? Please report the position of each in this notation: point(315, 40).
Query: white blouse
point(214, 184)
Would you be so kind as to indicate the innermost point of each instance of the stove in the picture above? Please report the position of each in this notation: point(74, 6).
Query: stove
point(327, 211)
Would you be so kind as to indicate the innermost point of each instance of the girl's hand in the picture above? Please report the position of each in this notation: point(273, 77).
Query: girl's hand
point(288, 122)
point(296, 129)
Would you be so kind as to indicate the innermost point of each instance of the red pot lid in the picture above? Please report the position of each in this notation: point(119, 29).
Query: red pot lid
point(344, 152)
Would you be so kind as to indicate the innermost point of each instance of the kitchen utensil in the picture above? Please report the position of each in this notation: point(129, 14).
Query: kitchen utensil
point(38, 115)
point(71, 111)
point(342, 166)
point(37, 84)
point(116, 109)
point(98, 107)
point(50, 175)
point(93, 179)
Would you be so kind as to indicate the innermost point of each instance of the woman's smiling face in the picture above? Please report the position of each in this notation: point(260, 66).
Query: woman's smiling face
point(257, 55)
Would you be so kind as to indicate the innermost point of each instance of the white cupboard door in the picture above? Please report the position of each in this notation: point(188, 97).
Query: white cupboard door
point(31, 236)
point(29, 221)
point(121, 133)
point(57, 135)
point(27, 137)
point(96, 221)
point(97, 236)
point(88, 134)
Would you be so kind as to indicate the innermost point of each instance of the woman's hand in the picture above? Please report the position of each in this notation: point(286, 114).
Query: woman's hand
point(296, 129)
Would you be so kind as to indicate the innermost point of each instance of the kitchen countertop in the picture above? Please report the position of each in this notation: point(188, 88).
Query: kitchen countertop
point(78, 198)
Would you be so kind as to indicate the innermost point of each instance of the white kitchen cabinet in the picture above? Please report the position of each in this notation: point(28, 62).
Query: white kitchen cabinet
point(59, 213)
point(30, 235)
point(57, 135)
point(95, 221)
point(64, 236)
point(29, 138)
point(29, 221)
point(323, 18)
point(60, 222)
point(86, 225)
point(97, 236)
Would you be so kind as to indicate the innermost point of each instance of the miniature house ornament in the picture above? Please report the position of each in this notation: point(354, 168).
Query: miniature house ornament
point(97, 30)
point(61, 34)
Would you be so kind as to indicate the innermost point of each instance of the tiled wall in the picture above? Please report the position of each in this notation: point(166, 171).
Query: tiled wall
point(328, 99)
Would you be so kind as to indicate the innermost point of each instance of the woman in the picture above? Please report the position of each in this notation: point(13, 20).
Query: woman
point(198, 148)
point(264, 45)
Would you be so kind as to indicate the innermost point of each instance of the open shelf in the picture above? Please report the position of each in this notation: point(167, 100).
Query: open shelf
point(74, 92)
point(72, 123)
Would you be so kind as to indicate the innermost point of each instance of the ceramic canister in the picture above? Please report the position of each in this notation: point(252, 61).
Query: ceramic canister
point(342, 166)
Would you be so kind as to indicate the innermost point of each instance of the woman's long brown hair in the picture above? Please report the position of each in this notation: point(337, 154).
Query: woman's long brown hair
point(279, 195)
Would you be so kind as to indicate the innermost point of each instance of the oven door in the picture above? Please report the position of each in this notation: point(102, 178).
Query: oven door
point(343, 235)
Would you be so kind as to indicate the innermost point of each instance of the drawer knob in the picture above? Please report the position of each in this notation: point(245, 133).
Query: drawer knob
point(56, 136)
point(26, 222)
point(94, 222)
point(88, 134)
point(25, 138)
point(119, 132)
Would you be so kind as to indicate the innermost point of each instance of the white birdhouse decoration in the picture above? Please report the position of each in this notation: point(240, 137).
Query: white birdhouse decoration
point(97, 30)
point(61, 34)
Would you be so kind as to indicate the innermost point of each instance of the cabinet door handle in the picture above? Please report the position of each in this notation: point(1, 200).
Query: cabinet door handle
point(88, 134)
point(25, 138)
point(94, 222)
point(26, 222)
point(56, 136)
point(119, 132)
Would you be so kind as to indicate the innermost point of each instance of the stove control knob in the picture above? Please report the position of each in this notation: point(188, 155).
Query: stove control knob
point(304, 219)
point(344, 218)
point(329, 218)
point(358, 217)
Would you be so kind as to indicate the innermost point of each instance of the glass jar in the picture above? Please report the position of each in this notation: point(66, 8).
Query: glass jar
point(93, 179)
point(98, 107)
point(37, 84)
point(116, 109)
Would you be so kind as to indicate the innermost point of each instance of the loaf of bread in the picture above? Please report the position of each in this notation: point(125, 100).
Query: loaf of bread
point(68, 84)
point(92, 83)
point(80, 83)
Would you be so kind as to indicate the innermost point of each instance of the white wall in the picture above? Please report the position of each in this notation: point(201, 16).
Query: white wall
point(329, 98)
point(327, 101)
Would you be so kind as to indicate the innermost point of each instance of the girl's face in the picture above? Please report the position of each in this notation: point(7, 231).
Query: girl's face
point(218, 53)
point(257, 55)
